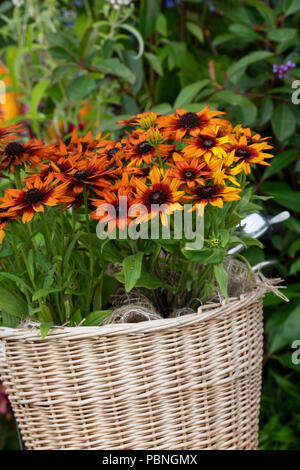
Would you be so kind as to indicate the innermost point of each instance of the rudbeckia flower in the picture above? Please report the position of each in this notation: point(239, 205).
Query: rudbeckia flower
point(33, 197)
point(162, 192)
point(116, 217)
point(190, 172)
point(8, 132)
point(46, 169)
point(238, 131)
point(207, 144)
point(16, 154)
point(182, 122)
point(148, 119)
point(93, 173)
point(246, 154)
point(222, 170)
point(140, 150)
point(214, 195)
point(87, 143)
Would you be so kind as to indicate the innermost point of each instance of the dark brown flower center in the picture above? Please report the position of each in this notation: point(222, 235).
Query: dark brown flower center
point(189, 174)
point(84, 146)
point(157, 197)
point(208, 143)
point(112, 152)
point(82, 175)
point(206, 192)
point(144, 148)
point(33, 196)
point(242, 152)
point(189, 120)
point(145, 171)
point(14, 148)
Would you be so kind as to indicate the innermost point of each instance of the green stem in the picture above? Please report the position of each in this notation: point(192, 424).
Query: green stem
point(160, 159)
point(58, 266)
point(62, 219)
point(18, 178)
point(154, 258)
point(15, 250)
point(90, 245)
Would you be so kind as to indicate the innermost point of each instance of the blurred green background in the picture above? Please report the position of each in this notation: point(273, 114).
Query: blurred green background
point(82, 63)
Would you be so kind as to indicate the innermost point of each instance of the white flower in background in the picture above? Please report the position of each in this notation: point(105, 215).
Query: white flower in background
point(18, 3)
point(117, 4)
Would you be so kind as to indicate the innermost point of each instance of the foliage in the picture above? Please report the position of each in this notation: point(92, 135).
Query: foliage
point(197, 52)
point(189, 165)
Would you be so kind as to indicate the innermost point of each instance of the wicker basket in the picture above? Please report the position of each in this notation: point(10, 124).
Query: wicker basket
point(184, 383)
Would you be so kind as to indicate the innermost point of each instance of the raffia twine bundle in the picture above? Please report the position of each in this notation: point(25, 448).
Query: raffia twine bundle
point(190, 382)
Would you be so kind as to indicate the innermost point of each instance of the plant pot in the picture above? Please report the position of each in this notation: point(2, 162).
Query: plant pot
point(192, 382)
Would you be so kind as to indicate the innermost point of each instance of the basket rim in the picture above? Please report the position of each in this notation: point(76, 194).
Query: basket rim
point(204, 313)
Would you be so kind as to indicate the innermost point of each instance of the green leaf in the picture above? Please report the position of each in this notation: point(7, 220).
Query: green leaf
point(264, 10)
point(43, 293)
point(115, 67)
point(45, 328)
point(288, 328)
point(70, 248)
point(290, 7)
point(111, 253)
point(161, 25)
point(149, 281)
point(80, 87)
point(221, 276)
point(13, 305)
point(9, 321)
point(249, 59)
point(294, 248)
point(248, 109)
point(245, 32)
point(109, 286)
point(149, 13)
point(252, 241)
point(63, 40)
point(154, 62)
point(266, 110)
point(288, 387)
point(134, 32)
point(221, 38)
point(279, 162)
point(189, 92)
point(61, 54)
point(97, 317)
point(132, 267)
point(162, 108)
point(81, 25)
point(15, 279)
point(283, 122)
point(295, 267)
point(205, 256)
point(282, 34)
point(196, 31)
point(63, 71)
point(283, 194)
point(37, 94)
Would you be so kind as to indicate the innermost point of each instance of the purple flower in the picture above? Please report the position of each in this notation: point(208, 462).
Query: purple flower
point(171, 3)
point(282, 70)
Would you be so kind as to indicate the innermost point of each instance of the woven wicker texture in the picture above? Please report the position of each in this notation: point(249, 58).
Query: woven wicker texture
point(184, 383)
